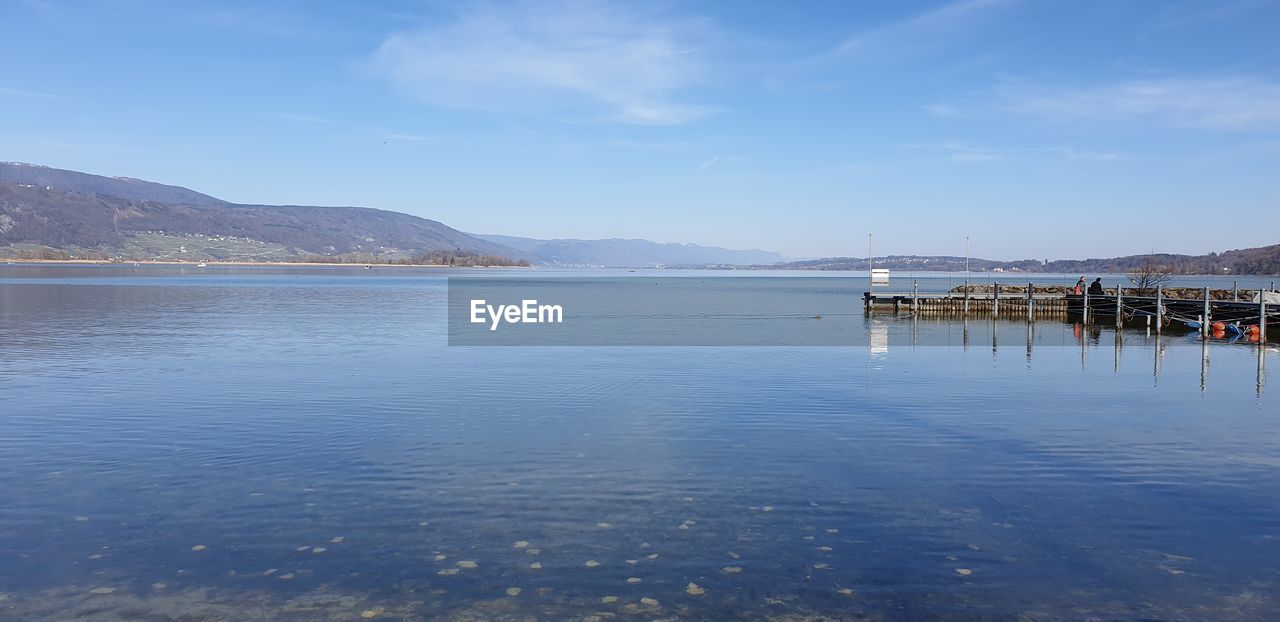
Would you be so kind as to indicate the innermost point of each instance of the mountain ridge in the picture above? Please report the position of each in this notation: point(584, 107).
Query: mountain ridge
point(1263, 260)
point(628, 252)
point(45, 209)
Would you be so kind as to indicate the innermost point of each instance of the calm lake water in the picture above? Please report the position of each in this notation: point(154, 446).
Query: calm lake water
point(300, 444)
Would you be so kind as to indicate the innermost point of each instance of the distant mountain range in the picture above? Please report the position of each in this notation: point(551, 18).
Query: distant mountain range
point(1249, 261)
point(48, 213)
point(622, 253)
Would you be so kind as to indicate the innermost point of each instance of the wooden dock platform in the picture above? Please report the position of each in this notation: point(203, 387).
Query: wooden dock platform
point(1210, 316)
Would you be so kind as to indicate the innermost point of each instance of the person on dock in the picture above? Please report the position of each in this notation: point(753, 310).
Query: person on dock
point(1095, 288)
point(1079, 289)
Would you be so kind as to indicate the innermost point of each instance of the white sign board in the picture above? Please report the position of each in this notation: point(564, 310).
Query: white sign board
point(879, 277)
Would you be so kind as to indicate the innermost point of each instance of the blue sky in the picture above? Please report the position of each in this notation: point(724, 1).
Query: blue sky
point(1046, 129)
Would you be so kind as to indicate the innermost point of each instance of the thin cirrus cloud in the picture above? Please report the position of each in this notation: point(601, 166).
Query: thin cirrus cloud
point(1232, 103)
point(930, 30)
point(33, 94)
point(962, 152)
point(302, 118)
point(578, 60)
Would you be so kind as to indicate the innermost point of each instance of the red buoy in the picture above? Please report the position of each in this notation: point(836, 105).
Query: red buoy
point(1219, 327)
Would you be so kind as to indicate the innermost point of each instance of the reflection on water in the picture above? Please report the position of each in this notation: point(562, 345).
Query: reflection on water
point(904, 330)
point(278, 445)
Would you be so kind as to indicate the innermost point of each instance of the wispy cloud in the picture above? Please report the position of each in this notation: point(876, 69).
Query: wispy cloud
point(1178, 15)
point(945, 111)
point(412, 138)
point(572, 58)
point(962, 152)
point(1232, 103)
point(920, 31)
point(257, 19)
point(709, 162)
point(302, 118)
point(32, 94)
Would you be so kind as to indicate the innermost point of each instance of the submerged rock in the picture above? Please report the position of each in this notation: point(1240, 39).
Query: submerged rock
point(337, 539)
point(591, 563)
point(372, 613)
point(844, 591)
point(441, 557)
point(513, 591)
point(609, 600)
point(633, 580)
point(694, 589)
point(198, 547)
point(466, 563)
point(523, 544)
point(535, 566)
point(448, 572)
point(649, 602)
point(319, 550)
point(733, 569)
point(964, 572)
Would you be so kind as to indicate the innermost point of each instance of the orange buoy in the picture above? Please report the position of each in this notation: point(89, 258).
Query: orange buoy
point(1219, 334)
point(1252, 330)
point(1219, 327)
point(1253, 337)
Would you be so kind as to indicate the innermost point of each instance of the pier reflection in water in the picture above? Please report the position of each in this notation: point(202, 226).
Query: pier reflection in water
point(886, 331)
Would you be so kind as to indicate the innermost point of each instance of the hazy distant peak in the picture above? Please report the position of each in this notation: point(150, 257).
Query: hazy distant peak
point(629, 252)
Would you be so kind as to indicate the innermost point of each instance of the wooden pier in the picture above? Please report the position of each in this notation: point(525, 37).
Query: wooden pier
point(1211, 317)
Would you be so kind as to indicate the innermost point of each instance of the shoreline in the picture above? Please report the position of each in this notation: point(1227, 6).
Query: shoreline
point(303, 264)
point(291, 264)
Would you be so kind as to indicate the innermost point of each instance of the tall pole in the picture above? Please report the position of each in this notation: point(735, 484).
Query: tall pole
point(1204, 324)
point(871, 282)
point(966, 263)
point(1262, 320)
point(1159, 308)
point(966, 276)
point(1119, 307)
point(1031, 302)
